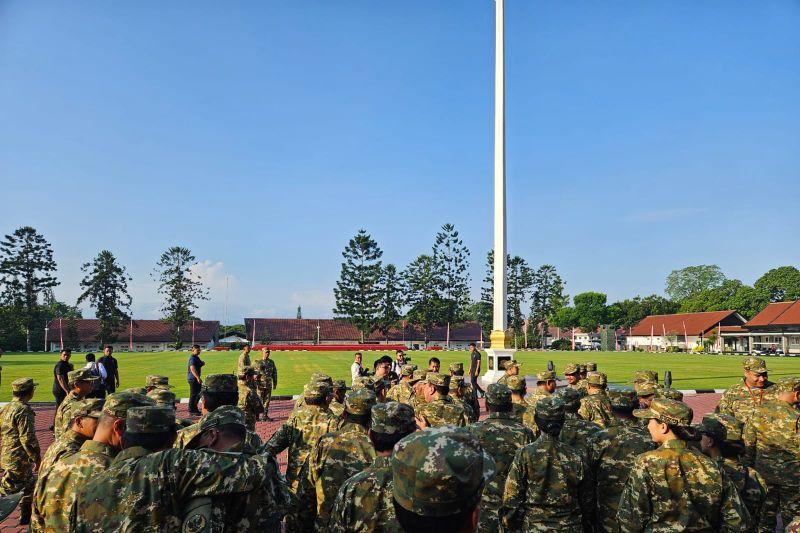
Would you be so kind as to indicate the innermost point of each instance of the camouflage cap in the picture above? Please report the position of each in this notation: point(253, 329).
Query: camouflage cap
point(672, 394)
point(645, 375)
point(82, 374)
point(510, 364)
point(380, 384)
point(151, 419)
point(788, 384)
point(159, 381)
point(647, 388)
point(407, 370)
point(221, 416)
point(163, 397)
point(591, 367)
point(545, 375)
point(550, 408)
point(596, 378)
point(456, 382)
point(440, 471)
point(570, 397)
point(419, 375)
point(516, 384)
point(667, 411)
point(321, 376)
point(8, 504)
point(437, 379)
point(456, 367)
point(624, 399)
point(136, 390)
point(220, 383)
point(317, 389)
point(361, 382)
point(571, 368)
point(721, 427)
point(392, 417)
point(755, 364)
point(23, 385)
point(359, 402)
point(582, 368)
point(498, 394)
point(339, 384)
point(117, 404)
point(90, 408)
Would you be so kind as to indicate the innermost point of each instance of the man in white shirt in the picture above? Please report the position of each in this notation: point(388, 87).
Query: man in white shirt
point(97, 369)
point(355, 368)
point(399, 362)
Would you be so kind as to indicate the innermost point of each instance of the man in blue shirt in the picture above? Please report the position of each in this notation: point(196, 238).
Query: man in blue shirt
point(194, 379)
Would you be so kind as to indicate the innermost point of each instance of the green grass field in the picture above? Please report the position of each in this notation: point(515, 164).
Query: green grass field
point(688, 371)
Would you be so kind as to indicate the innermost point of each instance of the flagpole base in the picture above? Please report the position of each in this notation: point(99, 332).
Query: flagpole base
point(499, 352)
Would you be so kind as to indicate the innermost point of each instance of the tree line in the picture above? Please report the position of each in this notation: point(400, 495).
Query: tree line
point(28, 305)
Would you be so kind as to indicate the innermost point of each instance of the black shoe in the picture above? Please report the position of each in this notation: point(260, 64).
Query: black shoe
point(24, 515)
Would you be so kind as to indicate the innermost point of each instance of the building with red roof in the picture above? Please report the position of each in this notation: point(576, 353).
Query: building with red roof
point(136, 335)
point(776, 328)
point(687, 330)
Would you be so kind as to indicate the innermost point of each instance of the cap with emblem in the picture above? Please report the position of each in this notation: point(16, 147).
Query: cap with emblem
point(672, 394)
point(392, 417)
point(150, 419)
point(570, 397)
point(359, 402)
point(624, 400)
point(550, 408)
point(222, 416)
point(645, 375)
point(23, 385)
point(788, 384)
point(498, 394)
point(591, 367)
point(362, 382)
point(437, 379)
point(157, 381)
point(647, 388)
point(545, 375)
point(89, 408)
point(8, 504)
point(755, 364)
point(456, 382)
point(517, 384)
point(596, 378)
point(163, 397)
point(721, 427)
point(320, 376)
point(339, 384)
point(570, 369)
point(317, 389)
point(419, 375)
point(82, 374)
point(117, 404)
point(510, 364)
point(220, 383)
point(440, 471)
point(667, 411)
point(456, 367)
point(407, 370)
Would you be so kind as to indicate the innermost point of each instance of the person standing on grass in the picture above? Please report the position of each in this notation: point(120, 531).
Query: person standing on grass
point(244, 361)
point(193, 378)
point(267, 380)
point(97, 370)
point(475, 369)
point(60, 381)
point(356, 370)
point(112, 369)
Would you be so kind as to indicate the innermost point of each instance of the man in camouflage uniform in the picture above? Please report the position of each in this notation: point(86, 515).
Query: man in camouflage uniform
point(722, 441)
point(243, 361)
point(470, 395)
point(20, 449)
point(545, 386)
point(644, 376)
point(772, 446)
point(81, 383)
point(440, 408)
point(341, 454)
point(148, 483)
point(576, 431)
point(418, 399)
point(403, 391)
point(677, 488)
point(458, 395)
point(439, 473)
point(596, 407)
point(590, 367)
point(267, 379)
point(500, 435)
point(645, 393)
point(512, 369)
point(57, 487)
point(156, 381)
point(249, 402)
point(337, 402)
point(742, 400)
point(364, 503)
point(167, 398)
point(611, 453)
point(520, 409)
point(85, 415)
point(572, 373)
point(324, 378)
point(547, 489)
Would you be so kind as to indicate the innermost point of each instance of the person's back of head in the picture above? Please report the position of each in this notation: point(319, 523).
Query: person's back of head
point(90, 358)
point(498, 398)
point(219, 390)
point(221, 430)
point(152, 428)
point(549, 415)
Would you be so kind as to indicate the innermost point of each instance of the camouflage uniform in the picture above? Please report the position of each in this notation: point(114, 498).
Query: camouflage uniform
point(470, 394)
point(157, 382)
point(364, 503)
point(571, 369)
point(501, 435)
point(340, 455)
point(20, 449)
point(772, 447)
point(267, 380)
point(144, 490)
point(597, 407)
point(242, 362)
point(167, 398)
point(324, 378)
point(538, 393)
point(742, 401)
point(250, 404)
point(677, 488)
point(71, 441)
point(520, 409)
point(457, 384)
point(507, 365)
point(794, 526)
point(403, 391)
point(442, 410)
point(546, 488)
point(577, 431)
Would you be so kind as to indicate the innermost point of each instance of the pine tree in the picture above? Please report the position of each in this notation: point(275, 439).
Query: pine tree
point(357, 291)
point(299, 312)
point(451, 259)
point(181, 288)
point(520, 279)
point(547, 297)
point(105, 286)
point(426, 308)
point(26, 271)
point(391, 300)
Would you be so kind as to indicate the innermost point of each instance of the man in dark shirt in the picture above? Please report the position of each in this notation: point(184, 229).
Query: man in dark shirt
point(60, 382)
point(112, 369)
point(194, 379)
point(475, 367)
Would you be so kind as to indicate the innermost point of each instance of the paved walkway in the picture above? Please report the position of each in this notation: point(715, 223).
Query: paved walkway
point(279, 411)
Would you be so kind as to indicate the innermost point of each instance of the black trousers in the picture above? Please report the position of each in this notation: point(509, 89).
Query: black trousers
point(194, 396)
point(59, 396)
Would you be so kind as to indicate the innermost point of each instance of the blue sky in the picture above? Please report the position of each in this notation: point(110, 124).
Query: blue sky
point(642, 137)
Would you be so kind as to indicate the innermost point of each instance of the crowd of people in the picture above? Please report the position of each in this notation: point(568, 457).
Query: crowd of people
point(405, 449)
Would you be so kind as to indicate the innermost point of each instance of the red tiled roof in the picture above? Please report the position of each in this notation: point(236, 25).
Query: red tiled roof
point(733, 329)
point(696, 323)
point(143, 330)
point(778, 314)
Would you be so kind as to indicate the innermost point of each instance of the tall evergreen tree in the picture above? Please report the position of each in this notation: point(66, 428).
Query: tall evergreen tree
point(105, 286)
point(451, 259)
point(299, 312)
point(520, 279)
point(547, 296)
point(26, 271)
point(391, 291)
point(426, 308)
point(357, 291)
point(181, 288)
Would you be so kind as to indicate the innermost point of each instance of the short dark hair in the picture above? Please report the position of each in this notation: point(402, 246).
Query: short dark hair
point(430, 524)
point(625, 410)
point(684, 432)
point(434, 360)
point(361, 420)
point(21, 394)
point(316, 400)
point(108, 346)
point(551, 427)
point(150, 441)
point(234, 430)
point(501, 408)
point(195, 346)
point(473, 344)
point(212, 399)
point(441, 389)
point(67, 351)
point(384, 442)
point(89, 357)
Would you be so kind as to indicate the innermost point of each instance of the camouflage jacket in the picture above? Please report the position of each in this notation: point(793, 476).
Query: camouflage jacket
point(501, 436)
point(503, 380)
point(336, 408)
point(443, 411)
point(188, 433)
point(676, 488)
point(250, 404)
point(577, 432)
point(471, 415)
point(267, 373)
point(772, 443)
point(69, 444)
point(794, 526)
point(403, 392)
point(242, 363)
point(144, 492)
point(749, 484)
point(337, 457)
point(299, 434)
point(611, 454)
point(580, 386)
point(597, 408)
point(18, 436)
point(534, 396)
point(364, 503)
point(741, 402)
point(63, 414)
point(471, 397)
point(524, 413)
point(56, 487)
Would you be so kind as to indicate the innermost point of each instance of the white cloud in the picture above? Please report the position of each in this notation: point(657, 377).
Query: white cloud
point(212, 274)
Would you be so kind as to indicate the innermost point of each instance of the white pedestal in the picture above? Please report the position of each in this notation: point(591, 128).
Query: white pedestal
point(495, 357)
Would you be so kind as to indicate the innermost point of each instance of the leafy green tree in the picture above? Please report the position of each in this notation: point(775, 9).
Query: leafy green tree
point(547, 296)
point(105, 286)
point(391, 292)
point(426, 308)
point(629, 312)
point(71, 339)
point(590, 310)
point(520, 280)
point(481, 312)
point(358, 290)
point(565, 318)
point(26, 272)
point(732, 294)
point(780, 284)
point(688, 281)
point(451, 259)
point(181, 288)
